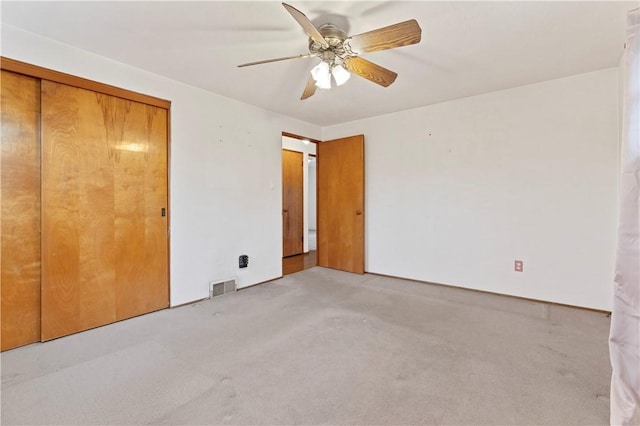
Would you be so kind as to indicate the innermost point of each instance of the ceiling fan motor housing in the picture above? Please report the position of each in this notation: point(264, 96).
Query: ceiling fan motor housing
point(335, 38)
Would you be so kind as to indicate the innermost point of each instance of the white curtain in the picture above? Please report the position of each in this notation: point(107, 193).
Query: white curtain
point(624, 337)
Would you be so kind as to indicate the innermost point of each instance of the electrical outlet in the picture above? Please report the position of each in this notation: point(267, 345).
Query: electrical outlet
point(518, 266)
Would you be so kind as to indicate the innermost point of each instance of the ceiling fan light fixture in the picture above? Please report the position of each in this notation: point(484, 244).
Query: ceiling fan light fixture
point(340, 74)
point(321, 75)
point(335, 49)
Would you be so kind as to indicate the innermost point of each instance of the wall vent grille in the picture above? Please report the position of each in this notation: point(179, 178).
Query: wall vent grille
point(221, 287)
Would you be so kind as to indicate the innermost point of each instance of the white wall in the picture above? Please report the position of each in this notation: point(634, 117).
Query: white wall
point(455, 192)
point(225, 172)
point(293, 144)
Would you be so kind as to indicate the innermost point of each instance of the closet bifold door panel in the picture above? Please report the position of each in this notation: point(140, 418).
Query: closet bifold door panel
point(104, 199)
point(20, 213)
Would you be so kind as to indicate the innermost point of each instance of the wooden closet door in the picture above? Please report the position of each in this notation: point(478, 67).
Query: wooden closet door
point(141, 225)
point(20, 216)
point(104, 185)
point(292, 203)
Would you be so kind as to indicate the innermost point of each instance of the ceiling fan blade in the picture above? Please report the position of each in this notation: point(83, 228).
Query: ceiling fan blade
point(370, 71)
point(306, 55)
point(309, 90)
point(306, 25)
point(397, 35)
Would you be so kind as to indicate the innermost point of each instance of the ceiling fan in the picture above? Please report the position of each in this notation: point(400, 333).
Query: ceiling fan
point(339, 53)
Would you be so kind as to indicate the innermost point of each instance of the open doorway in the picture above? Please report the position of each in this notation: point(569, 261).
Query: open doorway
point(298, 203)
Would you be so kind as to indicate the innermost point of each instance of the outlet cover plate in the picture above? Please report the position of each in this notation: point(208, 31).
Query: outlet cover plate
point(518, 266)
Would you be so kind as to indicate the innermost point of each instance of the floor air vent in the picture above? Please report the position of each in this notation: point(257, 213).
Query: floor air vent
point(222, 287)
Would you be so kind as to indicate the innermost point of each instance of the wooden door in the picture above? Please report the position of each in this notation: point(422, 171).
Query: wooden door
point(104, 185)
point(292, 203)
point(20, 217)
point(340, 201)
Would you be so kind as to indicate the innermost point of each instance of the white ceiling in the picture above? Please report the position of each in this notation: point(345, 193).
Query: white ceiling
point(467, 48)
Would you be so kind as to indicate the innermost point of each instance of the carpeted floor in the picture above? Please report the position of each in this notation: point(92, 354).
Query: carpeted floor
point(323, 347)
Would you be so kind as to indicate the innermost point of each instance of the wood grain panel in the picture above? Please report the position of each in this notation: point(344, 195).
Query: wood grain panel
point(396, 35)
point(372, 72)
point(340, 199)
point(141, 230)
point(292, 264)
point(292, 203)
point(101, 248)
point(20, 213)
point(300, 262)
point(78, 276)
point(309, 89)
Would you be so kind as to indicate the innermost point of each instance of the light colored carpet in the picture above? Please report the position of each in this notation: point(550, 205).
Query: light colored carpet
point(323, 347)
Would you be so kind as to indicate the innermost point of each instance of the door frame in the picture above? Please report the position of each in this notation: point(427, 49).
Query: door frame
point(305, 201)
point(318, 161)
